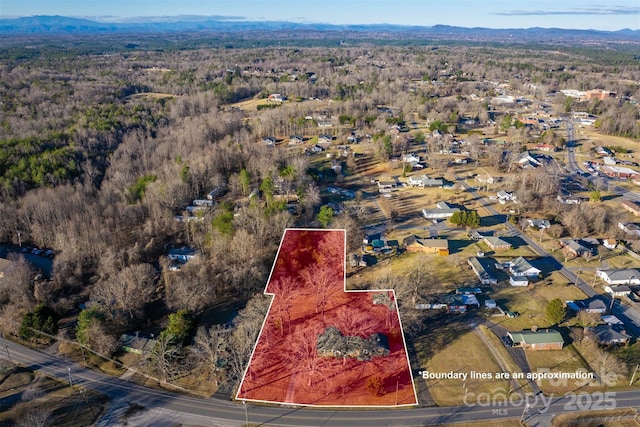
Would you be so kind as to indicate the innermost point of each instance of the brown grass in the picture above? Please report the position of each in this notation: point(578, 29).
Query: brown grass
point(66, 406)
point(466, 354)
point(566, 360)
point(596, 419)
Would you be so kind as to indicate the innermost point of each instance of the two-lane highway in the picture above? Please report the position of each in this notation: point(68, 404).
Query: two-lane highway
point(478, 407)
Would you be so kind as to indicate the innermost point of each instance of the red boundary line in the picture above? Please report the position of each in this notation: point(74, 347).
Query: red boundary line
point(344, 288)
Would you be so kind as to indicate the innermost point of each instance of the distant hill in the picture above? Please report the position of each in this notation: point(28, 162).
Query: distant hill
point(61, 25)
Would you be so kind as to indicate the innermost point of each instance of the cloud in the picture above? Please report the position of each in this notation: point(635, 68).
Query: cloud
point(593, 10)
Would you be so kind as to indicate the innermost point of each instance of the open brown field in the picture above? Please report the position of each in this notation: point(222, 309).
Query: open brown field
point(465, 354)
point(567, 360)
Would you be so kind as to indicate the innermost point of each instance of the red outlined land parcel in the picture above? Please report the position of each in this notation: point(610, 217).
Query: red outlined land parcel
point(321, 345)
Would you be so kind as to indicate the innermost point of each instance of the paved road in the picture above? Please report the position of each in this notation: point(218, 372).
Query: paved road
point(629, 315)
point(232, 414)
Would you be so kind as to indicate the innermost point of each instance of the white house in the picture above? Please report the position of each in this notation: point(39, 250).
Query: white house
point(622, 276)
point(520, 267)
point(539, 223)
point(485, 179)
point(505, 196)
point(528, 160)
point(442, 210)
point(518, 281)
point(629, 228)
point(617, 290)
point(423, 181)
point(569, 199)
point(325, 139)
point(410, 158)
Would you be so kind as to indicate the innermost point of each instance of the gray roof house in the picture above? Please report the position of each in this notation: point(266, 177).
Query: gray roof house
point(423, 181)
point(520, 267)
point(592, 305)
point(575, 247)
point(609, 334)
point(483, 273)
point(620, 276)
point(496, 243)
point(539, 223)
point(630, 228)
point(617, 290)
point(442, 210)
point(136, 344)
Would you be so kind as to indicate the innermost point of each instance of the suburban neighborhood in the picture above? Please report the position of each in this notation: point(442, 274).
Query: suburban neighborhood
point(258, 227)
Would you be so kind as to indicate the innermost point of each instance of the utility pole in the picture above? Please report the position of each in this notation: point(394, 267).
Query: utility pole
point(246, 412)
point(6, 347)
point(70, 381)
point(634, 374)
point(397, 384)
point(524, 410)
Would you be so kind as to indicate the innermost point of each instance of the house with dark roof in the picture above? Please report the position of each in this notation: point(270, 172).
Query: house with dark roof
point(458, 303)
point(136, 344)
point(483, 272)
point(609, 334)
point(617, 290)
point(575, 247)
point(468, 290)
point(541, 339)
point(592, 305)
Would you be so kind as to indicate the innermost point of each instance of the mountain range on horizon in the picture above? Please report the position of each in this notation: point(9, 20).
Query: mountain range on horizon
point(61, 25)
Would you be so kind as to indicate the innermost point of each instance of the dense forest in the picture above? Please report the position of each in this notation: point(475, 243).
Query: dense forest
point(102, 150)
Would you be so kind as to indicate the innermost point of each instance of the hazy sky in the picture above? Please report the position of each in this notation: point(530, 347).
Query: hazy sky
point(578, 14)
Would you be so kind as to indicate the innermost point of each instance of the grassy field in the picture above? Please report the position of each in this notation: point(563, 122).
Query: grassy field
point(596, 419)
point(531, 302)
point(567, 360)
point(464, 354)
point(449, 271)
